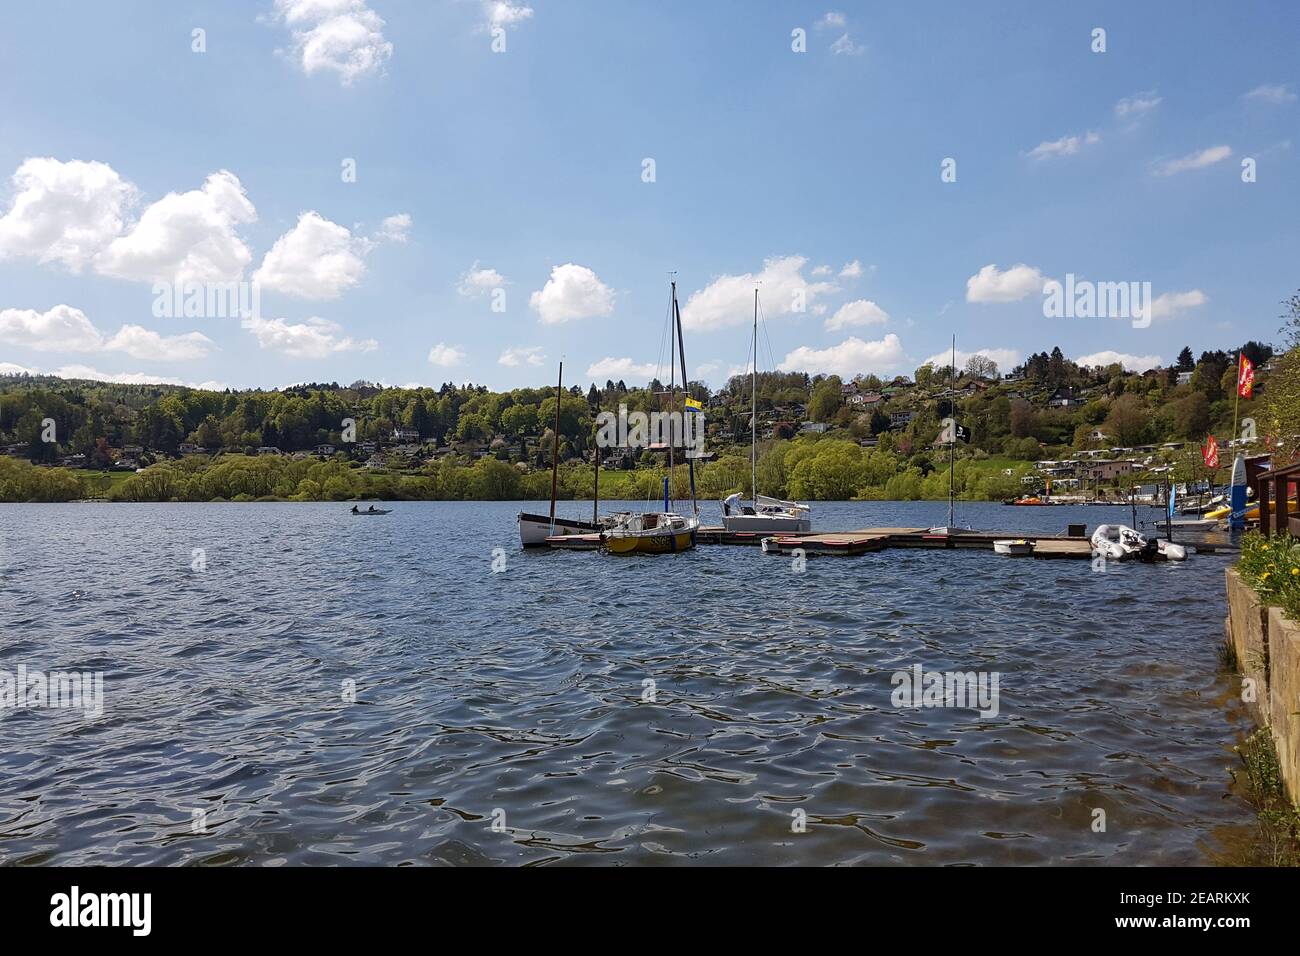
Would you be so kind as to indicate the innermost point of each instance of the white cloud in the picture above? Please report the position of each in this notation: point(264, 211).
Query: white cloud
point(1131, 363)
point(60, 329)
point(185, 237)
point(316, 259)
point(141, 343)
point(729, 299)
point(990, 285)
point(852, 270)
point(822, 270)
point(857, 312)
point(64, 212)
point(395, 228)
point(1006, 359)
point(121, 378)
point(572, 292)
point(531, 355)
point(502, 13)
point(1206, 157)
point(478, 282)
point(1138, 105)
point(1277, 93)
point(66, 329)
point(1065, 146)
point(446, 356)
point(343, 36)
point(848, 358)
point(315, 338)
point(844, 46)
point(621, 368)
point(1169, 304)
point(832, 19)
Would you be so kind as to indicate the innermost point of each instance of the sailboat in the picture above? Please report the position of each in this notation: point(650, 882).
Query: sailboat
point(666, 531)
point(535, 529)
point(764, 515)
point(950, 528)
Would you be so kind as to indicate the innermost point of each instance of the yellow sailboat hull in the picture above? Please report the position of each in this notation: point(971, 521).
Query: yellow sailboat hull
point(650, 544)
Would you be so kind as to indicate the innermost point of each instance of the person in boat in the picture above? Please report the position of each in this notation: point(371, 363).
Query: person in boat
point(355, 511)
point(731, 504)
point(372, 508)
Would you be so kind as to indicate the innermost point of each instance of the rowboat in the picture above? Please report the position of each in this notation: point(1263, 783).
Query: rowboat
point(1016, 546)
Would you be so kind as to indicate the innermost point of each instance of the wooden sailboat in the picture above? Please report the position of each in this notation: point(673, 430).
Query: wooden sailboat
point(535, 529)
point(666, 531)
point(764, 515)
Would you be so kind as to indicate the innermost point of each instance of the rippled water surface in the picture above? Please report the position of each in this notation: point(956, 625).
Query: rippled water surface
point(518, 698)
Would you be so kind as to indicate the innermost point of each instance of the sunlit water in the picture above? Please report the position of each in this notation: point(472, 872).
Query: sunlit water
point(519, 698)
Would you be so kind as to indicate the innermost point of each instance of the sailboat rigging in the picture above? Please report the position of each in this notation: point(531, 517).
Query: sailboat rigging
point(764, 514)
point(666, 531)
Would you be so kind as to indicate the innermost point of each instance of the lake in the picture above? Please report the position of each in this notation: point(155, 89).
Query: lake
point(289, 684)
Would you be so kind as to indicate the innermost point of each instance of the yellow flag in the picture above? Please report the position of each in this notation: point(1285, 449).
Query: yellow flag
point(693, 405)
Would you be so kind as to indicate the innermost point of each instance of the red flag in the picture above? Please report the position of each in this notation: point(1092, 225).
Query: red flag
point(1211, 452)
point(1245, 377)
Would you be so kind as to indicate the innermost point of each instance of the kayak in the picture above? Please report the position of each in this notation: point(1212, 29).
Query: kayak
point(1252, 510)
point(377, 512)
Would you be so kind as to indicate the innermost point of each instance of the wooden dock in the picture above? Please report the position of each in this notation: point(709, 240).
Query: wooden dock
point(868, 540)
point(861, 541)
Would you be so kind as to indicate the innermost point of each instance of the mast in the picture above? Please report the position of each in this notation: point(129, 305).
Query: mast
point(952, 411)
point(681, 352)
point(753, 412)
point(555, 444)
point(672, 400)
point(595, 504)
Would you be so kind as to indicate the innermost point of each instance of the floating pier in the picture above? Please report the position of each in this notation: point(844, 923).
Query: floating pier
point(861, 541)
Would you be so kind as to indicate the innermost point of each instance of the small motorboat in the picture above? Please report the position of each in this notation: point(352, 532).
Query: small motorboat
point(1016, 546)
point(1128, 545)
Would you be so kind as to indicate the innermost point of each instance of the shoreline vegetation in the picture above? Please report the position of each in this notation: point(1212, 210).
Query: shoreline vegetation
point(1048, 425)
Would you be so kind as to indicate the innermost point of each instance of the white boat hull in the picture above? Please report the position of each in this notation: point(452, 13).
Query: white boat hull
point(768, 524)
point(535, 529)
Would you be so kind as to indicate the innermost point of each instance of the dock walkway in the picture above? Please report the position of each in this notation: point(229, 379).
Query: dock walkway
point(861, 541)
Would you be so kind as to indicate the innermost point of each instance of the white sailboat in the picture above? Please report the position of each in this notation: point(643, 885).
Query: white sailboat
point(666, 531)
point(763, 515)
point(535, 529)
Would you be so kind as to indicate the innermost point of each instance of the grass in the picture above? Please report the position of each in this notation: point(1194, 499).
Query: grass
point(1278, 842)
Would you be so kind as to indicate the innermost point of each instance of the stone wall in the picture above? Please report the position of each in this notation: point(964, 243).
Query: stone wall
point(1267, 645)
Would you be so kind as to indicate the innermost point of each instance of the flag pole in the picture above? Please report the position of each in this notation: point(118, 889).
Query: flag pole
point(1236, 405)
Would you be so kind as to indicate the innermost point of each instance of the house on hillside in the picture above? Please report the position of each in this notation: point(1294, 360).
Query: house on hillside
point(1065, 397)
point(406, 435)
point(1185, 378)
point(901, 419)
point(813, 428)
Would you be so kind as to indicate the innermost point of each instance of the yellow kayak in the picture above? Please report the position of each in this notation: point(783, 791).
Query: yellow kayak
point(1252, 510)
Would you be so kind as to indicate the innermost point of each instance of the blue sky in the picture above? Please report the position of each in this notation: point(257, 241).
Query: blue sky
point(126, 159)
